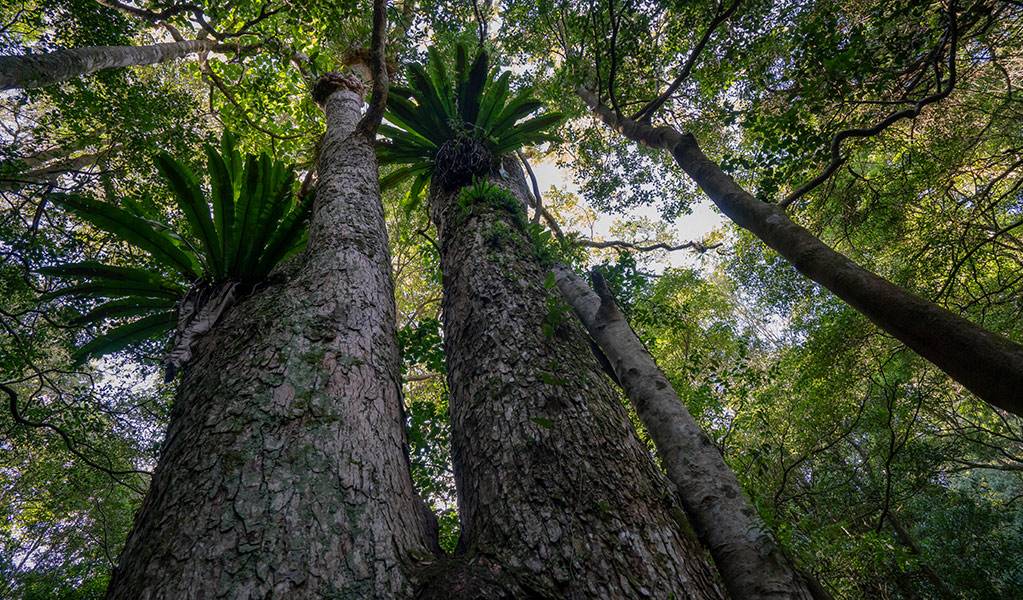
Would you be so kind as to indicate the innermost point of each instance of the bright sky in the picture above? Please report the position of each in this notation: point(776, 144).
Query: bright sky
point(704, 218)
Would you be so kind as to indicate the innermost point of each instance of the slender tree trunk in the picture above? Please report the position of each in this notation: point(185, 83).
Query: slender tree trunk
point(40, 70)
point(987, 364)
point(557, 496)
point(285, 471)
point(751, 564)
point(907, 540)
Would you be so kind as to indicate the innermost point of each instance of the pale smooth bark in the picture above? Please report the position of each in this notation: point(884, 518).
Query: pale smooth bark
point(984, 362)
point(558, 498)
point(40, 70)
point(285, 471)
point(751, 564)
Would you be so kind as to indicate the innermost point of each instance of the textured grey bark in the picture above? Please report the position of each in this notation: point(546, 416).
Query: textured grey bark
point(751, 564)
point(40, 70)
point(986, 363)
point(285, 471)
point(557, 495)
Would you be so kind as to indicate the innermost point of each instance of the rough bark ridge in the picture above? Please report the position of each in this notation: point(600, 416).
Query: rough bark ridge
point(40, 70)
point(557, 496)
point(987, 364)
point(285, 471)
point(752, 565)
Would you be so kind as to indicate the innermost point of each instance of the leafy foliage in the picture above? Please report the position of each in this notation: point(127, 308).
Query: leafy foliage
point(254, 225)
point(462, 123)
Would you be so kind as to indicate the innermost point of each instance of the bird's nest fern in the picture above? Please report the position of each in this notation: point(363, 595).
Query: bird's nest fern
point(451, 129)
point(255, 224)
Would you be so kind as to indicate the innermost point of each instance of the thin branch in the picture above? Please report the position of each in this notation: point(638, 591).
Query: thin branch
point(432, 241)
point(220, 85)
point(615, 23)
point(68, 442)
point(696, 245)
point(910, 113)
point(481, 22)
point(197, 14)
point(154, 17)
point(536, 187)
point(370, 122)
point(648, 110)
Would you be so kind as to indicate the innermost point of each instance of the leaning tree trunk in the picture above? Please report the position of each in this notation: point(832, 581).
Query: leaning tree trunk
point(557, 496)
point(285, 471)
point(751, 563)
point(987, 364)
point(40, 70)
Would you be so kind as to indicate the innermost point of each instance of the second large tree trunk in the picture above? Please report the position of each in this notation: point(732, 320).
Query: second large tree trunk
point(40, 70)
point(750, 562)
point(285, 470)
point(557, 496)
point(984, 362)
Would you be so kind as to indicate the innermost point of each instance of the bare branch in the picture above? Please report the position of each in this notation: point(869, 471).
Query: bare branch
point(68, 442)
point(536, 187)
point(697, 245)
point(910, 113)
point(378, 64)
point(647, 112)
point(220, 85)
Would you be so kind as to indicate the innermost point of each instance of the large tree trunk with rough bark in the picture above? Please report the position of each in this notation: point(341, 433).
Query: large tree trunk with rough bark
point(557, 495)
point(285, 471)
point(987, 364)
point(40, 70)
point(751, 564)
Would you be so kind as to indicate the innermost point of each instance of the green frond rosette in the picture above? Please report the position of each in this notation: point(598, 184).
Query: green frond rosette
point(437, 110)
point(249, 223)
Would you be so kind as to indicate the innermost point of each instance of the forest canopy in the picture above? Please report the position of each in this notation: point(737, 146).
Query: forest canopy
point(849, 339)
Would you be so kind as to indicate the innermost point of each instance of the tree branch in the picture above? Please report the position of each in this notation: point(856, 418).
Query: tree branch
point(910, 113)
point(68, 442)
point(536, 187)
point(378, 65)
point(696, 245)
point(647, 111)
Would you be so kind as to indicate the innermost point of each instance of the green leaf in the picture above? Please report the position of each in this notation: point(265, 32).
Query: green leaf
point(528, 132)
point(133, 230)
point(440, 79)
point(125, 307)
point(521, 106)
point(109, 288)
point(416, 193)
point(461, 59)
point(97, 269)
point(404, 113)
point(542, 422)
point(184, 186)
point(493, 101)
point(225, 194)
point(120, 337)
point(472, 92)
point(433, 108)
point(250, 202)
point(399, 175)
point(273, 209)
point(288, 238)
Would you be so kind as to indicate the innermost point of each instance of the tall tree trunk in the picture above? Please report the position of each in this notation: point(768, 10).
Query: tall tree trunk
point(987, 364)
point(285, 471)
point(557, 496)
point(40, 70)
point(752, 565)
